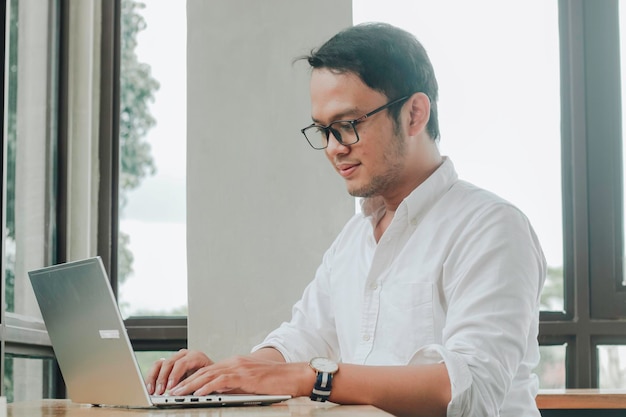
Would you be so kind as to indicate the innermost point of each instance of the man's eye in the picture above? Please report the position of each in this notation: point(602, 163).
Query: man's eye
point(343, 127)
point(318, 130)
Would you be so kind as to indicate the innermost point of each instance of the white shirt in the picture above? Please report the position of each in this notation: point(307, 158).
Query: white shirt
point(456, 277)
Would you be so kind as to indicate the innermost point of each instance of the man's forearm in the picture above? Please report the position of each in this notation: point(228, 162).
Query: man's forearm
point(420, 390)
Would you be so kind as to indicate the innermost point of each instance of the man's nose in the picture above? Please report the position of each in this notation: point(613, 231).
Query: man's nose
point(334, 145)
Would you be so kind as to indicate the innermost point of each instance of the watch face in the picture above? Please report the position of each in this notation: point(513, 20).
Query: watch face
point(324, 365)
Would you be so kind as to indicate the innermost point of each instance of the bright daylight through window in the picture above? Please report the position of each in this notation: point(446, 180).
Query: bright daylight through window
point(152, 243)
point(488, 83)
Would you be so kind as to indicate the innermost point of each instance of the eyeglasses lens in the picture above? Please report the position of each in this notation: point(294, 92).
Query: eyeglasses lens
point(316, 135)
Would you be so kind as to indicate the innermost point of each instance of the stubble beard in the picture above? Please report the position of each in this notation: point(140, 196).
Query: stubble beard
point(381, 183)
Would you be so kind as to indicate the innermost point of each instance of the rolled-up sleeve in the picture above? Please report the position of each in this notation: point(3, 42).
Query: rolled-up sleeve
point(492, 280)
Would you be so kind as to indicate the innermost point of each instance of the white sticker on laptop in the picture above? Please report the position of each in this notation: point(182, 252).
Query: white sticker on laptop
point(109, 334)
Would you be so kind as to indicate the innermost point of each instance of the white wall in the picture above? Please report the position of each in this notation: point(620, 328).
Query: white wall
point(262, 206)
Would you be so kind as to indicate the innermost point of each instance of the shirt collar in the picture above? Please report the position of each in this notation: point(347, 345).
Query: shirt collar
point(416, 204)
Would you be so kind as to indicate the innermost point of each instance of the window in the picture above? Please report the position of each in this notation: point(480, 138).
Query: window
point(592, 191)
point(53, 100)
point(151, 241)
point(540, 106)
point(612, 366)
point(486, 128)
point(551, 370)
point(495, 134)
point(152, 238)
point(30, 193)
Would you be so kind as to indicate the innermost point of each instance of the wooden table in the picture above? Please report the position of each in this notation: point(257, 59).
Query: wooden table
point(582, 403)
point(564, 399)
point(300, 407)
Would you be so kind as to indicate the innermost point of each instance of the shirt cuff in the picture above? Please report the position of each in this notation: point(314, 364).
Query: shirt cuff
point(458, 372)
point(278, 347)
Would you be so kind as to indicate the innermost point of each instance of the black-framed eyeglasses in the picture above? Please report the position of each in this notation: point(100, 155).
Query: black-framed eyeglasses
point(344, 131)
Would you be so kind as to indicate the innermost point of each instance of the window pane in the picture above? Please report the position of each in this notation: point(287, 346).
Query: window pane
point(11, 138)
point(499, 106)
point(612, 366)
point(622, 35)
point(31, 146)
point(152, 245)
point(27, 378)
point(551, 369)
point(31, 165)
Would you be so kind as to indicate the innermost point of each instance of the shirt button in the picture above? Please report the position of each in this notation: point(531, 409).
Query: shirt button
point(373, 286)
point(414, 222)
point(366, 337)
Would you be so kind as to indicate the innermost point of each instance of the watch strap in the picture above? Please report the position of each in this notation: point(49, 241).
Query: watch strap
point(322, 387)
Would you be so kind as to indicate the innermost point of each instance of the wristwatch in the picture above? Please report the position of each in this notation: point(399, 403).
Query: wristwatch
point(325, 369)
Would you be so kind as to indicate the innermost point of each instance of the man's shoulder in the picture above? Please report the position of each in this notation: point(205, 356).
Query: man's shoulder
point(467, 200)
point(470, 193)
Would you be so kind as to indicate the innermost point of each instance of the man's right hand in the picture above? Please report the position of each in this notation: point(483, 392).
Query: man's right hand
point(166, 373)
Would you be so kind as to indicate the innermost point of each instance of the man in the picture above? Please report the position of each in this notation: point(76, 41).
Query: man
point(427, 301)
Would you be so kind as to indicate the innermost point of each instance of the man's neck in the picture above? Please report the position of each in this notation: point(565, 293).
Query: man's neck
point(392, 201)
point(383, 224)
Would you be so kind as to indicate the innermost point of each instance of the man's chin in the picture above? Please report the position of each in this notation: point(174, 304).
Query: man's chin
point(360, 192)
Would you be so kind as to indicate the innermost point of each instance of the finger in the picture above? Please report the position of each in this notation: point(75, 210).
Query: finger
point(186, 365)
point(215, 377)
point(221, 384)
point(165, 367)
point(163, 376)
point(179, 371)
point(152, 375)
point(194, 381)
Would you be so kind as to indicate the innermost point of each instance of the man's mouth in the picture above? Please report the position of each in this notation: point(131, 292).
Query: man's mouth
point(346, 169)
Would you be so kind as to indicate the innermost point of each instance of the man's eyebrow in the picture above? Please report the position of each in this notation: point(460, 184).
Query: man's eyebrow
point(350, 114)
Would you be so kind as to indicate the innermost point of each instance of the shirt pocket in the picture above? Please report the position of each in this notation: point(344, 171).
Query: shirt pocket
point(408, 296)
point(406, 319)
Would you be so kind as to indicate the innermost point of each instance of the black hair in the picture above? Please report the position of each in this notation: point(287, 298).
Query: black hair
point(387, 59)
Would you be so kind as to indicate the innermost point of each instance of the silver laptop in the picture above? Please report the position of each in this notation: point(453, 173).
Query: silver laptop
point(91, 345)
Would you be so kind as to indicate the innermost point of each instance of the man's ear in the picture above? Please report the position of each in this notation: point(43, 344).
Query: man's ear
point(419, 112)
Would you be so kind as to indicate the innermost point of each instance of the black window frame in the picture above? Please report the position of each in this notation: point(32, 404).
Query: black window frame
point(145, 333)
point(21, 337)
point(591, 137)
